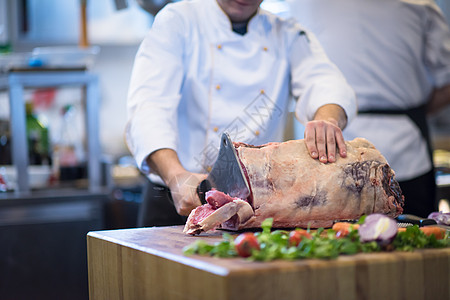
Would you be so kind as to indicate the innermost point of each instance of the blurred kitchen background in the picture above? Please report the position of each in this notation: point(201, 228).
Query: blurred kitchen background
point(77, 175)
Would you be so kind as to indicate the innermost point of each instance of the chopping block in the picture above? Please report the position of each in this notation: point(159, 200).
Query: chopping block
point(148, 263)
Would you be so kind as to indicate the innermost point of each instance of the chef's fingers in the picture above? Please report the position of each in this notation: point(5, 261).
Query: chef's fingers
point(310, 140)
point(331, 144)
point(340, 141)
point(321, 141)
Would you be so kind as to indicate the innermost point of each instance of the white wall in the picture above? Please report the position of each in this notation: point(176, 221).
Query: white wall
point(114, 65)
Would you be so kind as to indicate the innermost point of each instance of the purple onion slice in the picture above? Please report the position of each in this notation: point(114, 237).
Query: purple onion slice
point(440, 217)
point(379, 228)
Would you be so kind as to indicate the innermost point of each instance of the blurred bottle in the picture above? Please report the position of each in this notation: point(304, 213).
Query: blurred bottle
point(5, 48)
point(67, 147)
point(5, 143)
point(5, 42)
point(38, 141)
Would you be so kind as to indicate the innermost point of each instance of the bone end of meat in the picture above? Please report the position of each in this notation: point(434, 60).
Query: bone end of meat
point(205, 217)
point(243, 215)
point(244, 210)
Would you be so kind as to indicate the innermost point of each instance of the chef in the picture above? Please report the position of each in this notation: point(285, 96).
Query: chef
point(396, 56)
point(213, 66)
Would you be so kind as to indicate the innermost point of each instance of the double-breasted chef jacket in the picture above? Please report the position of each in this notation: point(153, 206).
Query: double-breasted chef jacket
point(194, 78)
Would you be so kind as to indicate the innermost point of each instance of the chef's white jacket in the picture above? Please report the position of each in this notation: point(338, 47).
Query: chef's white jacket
point(194, 78)
point(393, 53)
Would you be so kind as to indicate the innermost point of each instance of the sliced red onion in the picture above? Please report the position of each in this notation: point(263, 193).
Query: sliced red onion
point(379, 228)
point(440, 217)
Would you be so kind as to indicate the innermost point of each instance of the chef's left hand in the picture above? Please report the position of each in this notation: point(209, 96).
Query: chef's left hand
point(324, 133)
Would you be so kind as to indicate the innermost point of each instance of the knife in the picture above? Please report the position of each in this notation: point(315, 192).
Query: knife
point(416, 220)
point(226, 174)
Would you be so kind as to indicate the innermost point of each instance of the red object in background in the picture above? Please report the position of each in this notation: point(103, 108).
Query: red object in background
point(43, 98)
point(3, 186)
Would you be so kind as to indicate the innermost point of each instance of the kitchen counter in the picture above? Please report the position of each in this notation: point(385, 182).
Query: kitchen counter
point(148, 263)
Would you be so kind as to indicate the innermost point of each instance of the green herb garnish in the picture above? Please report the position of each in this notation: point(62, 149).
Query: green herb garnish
point(323, 245)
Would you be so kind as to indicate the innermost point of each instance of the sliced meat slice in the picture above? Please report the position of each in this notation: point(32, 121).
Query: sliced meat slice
point(217, 199)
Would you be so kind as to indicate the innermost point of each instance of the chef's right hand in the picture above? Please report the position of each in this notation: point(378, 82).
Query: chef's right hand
point(183, 187)
point(322, 138)
point(324, 133)
point(182, 184)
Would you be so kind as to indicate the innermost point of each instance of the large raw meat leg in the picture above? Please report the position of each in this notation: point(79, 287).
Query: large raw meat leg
point(298, 191)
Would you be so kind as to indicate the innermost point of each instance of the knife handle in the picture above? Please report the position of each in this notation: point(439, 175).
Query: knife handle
point(416, 220)
point(202, 188)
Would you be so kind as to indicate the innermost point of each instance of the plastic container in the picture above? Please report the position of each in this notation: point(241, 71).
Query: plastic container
point(65, 56)
point(39, 176)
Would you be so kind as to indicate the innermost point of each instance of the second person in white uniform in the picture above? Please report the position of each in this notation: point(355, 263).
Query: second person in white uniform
point(396, 56)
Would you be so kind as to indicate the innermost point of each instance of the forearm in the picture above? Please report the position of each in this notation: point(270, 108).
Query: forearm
point(439, 99)
point(332, 113)
point(165, 163)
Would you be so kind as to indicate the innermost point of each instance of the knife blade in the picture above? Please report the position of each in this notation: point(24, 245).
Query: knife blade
point(416, 220)
point(226, 174)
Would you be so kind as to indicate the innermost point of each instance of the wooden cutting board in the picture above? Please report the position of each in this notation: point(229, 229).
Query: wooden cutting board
point(148, 263)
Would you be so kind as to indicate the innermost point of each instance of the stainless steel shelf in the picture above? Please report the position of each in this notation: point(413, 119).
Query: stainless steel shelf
point(18, 80)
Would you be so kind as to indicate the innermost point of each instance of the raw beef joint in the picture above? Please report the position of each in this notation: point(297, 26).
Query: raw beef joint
point(297, 191)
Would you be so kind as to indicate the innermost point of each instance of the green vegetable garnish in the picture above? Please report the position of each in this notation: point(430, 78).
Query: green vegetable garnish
point(414, 238)
point(323, 245)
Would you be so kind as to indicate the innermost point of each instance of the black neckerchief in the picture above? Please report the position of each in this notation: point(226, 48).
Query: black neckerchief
point(240, 28)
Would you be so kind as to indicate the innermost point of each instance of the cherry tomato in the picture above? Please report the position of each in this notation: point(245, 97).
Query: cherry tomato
point(296, 236)
point(245, 243)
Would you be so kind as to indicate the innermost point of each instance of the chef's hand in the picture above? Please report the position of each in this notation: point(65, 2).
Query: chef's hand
point(324, 133)
point(183, 187)
point(182, 184)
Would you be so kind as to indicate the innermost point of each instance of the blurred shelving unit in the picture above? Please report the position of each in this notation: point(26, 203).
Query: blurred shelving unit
point(45, 229)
